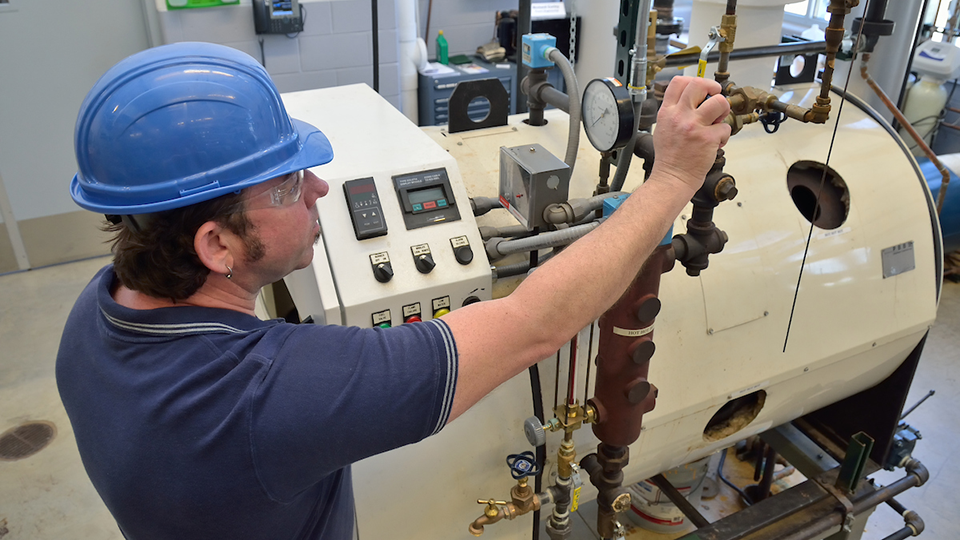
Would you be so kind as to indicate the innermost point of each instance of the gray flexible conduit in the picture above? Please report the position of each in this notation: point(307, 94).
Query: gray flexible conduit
point(543, 240)
point(573, 91)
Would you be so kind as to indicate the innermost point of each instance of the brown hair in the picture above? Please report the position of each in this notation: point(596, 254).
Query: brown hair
point(158, 257)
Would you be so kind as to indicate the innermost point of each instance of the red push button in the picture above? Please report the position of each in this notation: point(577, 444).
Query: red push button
point(413, 319)
point(429, 205)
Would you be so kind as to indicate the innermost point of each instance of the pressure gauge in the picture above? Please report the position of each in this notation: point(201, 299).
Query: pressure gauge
point(607, 114)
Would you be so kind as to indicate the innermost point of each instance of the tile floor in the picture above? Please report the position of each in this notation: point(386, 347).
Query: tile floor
point(47, 496)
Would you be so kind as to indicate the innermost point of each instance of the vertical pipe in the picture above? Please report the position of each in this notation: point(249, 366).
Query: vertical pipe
point(375, 30)
point(769, 462)
point(523, 27)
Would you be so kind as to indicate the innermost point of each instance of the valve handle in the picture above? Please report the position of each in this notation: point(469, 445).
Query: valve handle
point(523, 465)
point(533, 430)
point(772, 120)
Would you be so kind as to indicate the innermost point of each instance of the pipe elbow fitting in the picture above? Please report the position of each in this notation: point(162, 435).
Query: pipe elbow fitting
point(492, 246)
point(917, 469)
point(559, 213)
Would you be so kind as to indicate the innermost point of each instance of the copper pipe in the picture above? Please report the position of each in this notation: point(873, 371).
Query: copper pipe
point(944, 173)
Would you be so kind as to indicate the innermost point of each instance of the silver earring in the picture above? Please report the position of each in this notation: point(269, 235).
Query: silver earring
point(229, 272)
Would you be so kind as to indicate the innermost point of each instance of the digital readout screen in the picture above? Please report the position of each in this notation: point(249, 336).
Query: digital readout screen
point(426, 195)
point(361, 188)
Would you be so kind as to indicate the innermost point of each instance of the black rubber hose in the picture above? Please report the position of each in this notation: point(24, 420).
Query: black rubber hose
point(723, 459)
point(535, 389)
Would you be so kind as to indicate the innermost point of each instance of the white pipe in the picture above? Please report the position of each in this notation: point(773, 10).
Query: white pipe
point(412, 56)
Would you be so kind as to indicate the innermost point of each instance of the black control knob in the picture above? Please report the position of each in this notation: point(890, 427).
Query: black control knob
point(383, 272)
point(464, 254)
point(424, 263)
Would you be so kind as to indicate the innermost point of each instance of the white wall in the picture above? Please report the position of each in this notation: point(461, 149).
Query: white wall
point(334, 49)
point(54, 51)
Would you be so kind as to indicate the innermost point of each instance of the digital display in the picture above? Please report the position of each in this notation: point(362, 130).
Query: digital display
point(362, 188)
point(424, 195)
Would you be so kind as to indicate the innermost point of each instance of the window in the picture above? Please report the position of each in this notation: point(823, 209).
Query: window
point(807, 13)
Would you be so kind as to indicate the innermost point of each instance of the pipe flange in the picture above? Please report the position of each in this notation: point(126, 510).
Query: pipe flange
point(873, 28)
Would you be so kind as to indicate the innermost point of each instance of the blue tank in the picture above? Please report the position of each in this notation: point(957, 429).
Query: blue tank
point(950, 215)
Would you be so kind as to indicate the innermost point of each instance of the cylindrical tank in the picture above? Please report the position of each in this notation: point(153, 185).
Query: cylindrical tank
point(651, 509)
point(868, 295)
point(950, 213)
point(925, 101)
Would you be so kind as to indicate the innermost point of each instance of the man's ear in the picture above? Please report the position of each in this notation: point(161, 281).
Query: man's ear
point(216, 246)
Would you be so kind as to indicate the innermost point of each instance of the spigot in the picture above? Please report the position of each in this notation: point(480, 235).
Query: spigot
point(491, 514)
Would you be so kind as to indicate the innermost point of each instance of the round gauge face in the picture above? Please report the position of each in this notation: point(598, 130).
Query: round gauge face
point(607, 117)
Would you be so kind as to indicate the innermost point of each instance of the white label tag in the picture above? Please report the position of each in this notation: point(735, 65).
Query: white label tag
point(629, 332)
point(412, 309)
point(547, 10)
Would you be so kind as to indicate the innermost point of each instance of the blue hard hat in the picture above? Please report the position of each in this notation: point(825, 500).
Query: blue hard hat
point(183, 123)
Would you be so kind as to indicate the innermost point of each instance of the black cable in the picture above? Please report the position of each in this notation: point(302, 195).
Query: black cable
point(263, 59)
point(376, 46)
point(723, 459)
point(535, 389)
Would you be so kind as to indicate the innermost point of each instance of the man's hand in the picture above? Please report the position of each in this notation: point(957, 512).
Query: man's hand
point(690, 130)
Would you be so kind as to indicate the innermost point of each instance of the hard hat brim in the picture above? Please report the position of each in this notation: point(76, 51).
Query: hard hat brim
point(315, 151)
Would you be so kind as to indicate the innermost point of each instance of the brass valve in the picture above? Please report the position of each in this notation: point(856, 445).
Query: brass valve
point(492, 508)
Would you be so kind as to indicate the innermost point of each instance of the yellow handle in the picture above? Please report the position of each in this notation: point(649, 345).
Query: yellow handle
point(701, 68)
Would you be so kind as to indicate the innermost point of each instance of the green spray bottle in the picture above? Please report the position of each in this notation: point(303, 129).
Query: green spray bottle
point(442, 49)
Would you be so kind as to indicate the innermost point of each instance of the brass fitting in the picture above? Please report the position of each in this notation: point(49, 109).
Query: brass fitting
point(565, 457)
point(728, 31)
point(571, 417)
point(621, 503)
point(491, 514)
point(523, 501)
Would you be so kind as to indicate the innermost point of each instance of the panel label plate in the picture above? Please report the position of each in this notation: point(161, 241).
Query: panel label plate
point(898, 259)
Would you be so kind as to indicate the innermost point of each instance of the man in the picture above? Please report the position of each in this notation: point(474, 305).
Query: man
point(194, 419)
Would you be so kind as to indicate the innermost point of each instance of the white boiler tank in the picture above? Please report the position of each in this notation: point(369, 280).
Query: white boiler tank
point(869, 293)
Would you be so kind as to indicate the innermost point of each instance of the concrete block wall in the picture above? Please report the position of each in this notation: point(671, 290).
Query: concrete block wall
point(335, 47)
point(467, 24)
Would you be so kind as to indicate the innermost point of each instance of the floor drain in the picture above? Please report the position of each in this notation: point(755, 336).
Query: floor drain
point(25, 440)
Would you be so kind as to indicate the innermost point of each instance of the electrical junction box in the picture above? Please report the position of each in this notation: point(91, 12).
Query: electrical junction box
point(531, 178)
point(532, 49)
point(940, 61)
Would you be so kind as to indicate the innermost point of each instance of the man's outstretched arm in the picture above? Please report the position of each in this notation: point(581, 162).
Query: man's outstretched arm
point(498, 339)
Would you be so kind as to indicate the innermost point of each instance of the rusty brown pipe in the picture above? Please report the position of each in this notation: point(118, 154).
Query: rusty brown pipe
point(942, 194)
point(622, 393)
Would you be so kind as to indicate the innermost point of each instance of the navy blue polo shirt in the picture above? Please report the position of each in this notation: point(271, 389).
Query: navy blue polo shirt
point(202, 423)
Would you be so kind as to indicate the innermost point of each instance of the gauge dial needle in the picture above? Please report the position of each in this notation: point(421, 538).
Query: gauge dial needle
point(599, 118)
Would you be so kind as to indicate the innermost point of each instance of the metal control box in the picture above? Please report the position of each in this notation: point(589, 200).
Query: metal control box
point(531, 178)
point(400, 243)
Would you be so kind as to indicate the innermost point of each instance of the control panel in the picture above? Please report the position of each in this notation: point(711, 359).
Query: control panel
point(400, 243)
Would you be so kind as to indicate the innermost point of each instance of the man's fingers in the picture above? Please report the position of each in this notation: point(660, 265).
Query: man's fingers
point(714, 109)
point(672, 95)
point(696, 90)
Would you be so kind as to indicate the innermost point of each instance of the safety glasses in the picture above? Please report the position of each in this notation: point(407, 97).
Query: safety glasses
point(284, 194)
